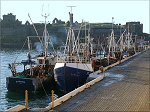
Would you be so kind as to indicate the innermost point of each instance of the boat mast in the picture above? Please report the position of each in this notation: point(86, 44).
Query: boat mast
point(128, 38)
point(45, 36)
point(111, 42)
point(70, 42)
point(29, 56)
point(29, 46)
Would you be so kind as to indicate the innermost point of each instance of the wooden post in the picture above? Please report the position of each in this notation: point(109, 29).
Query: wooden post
point(52, 100)
point(26, 100)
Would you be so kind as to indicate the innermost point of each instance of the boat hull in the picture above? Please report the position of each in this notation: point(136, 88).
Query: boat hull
point(71, 75)
point(15, 84)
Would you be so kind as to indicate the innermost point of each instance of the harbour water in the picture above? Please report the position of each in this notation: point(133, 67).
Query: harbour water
point(9, 99)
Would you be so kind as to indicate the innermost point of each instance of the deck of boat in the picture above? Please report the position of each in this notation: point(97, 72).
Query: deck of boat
point(125, 88)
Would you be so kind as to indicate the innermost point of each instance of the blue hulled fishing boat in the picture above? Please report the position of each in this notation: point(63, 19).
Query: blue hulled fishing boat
point(74, 62)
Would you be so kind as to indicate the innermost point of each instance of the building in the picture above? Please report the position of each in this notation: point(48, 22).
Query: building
point(10, 21)
point(11, 26)
point(9, 17)
point(136, 28)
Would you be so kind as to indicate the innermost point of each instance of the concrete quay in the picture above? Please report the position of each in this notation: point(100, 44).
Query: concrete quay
point(126, 87)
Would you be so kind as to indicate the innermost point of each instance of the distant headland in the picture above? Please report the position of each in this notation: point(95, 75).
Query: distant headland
point(13, 31)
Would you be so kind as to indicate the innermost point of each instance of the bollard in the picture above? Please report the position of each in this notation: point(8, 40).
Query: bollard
point(26, 100)
point(102, 69)
point(52, 100)
point(119, 61)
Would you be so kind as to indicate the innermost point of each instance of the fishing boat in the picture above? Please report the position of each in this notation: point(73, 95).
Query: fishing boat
point(105, 54)
point(37, 71)
point(74, 63)
point(99, 57)
point(125, 45)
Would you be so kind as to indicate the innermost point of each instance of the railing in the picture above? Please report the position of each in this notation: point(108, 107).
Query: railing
point(71, 59)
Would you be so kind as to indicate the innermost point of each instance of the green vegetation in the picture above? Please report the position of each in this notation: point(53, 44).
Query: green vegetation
point(146, 36)
point(104, 25)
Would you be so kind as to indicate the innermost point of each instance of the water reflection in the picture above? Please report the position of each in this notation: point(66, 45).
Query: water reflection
point(9, 99)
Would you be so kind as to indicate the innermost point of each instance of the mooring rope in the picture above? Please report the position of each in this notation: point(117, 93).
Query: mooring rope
point(20, 50)
point(44, 90)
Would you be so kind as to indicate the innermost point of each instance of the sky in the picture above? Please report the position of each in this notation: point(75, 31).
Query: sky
point(97, 11)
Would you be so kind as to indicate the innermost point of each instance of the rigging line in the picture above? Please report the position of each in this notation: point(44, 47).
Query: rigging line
point(35, 29)
point(20, 50)
point(77, 75)
point(33, 25)
point(21, 102)
point(44, 90)
point(51, 42)
point(77, 40)
point(87, 67)
point(65, 78)
point(121, 36)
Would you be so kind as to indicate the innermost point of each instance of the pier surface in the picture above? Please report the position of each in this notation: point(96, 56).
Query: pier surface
point(125, 88)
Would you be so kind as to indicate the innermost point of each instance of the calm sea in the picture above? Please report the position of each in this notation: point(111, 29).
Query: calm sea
point(9, 99)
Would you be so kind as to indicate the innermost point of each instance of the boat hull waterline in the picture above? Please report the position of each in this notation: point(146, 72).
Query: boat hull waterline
point(15, 84)
point(71, 75)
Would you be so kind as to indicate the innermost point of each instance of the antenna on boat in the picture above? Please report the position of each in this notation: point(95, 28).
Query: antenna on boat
point(71, 8)
point(71, 15)
point(48, 10)
point(42, 9)
point(45, 13)
point(112, 22)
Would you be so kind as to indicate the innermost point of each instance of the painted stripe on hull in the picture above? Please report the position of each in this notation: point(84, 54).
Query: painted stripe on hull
point(82, 66)
point(69, 78)
point(31, 84)
point(20, 84)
